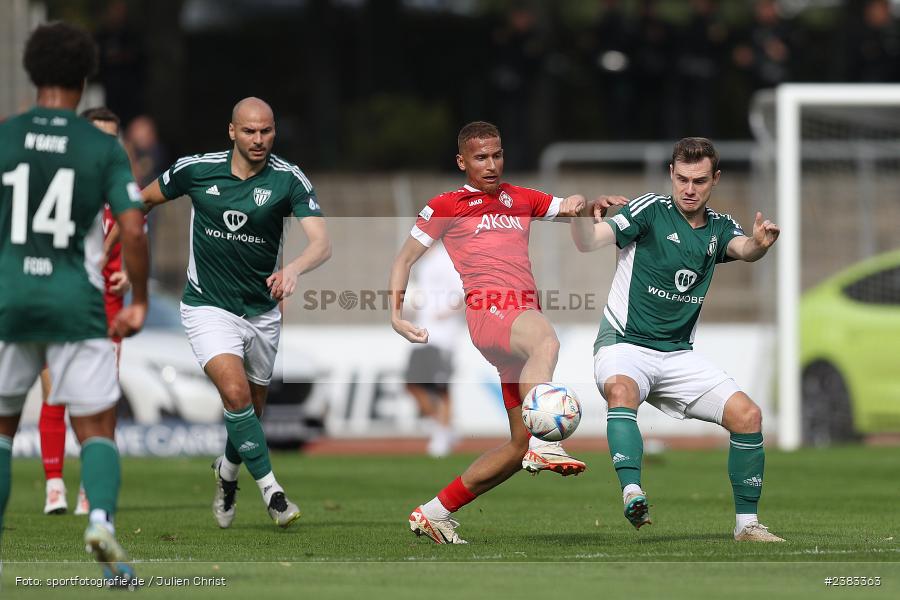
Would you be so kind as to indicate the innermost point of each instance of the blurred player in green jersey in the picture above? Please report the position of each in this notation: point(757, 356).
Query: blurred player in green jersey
point(57, 172)
point(241, 199)
point(52, 423)
point(668, 249)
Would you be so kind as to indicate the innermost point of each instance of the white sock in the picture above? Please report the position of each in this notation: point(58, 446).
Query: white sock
point(228, 470)
point(268, 486)
point(742, 521)
point(536, 442)
point(631, 488)
point(99, 516)
point(56, 483)
point(435, 510)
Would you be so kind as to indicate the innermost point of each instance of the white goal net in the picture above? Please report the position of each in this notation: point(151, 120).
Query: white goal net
point(837, 160)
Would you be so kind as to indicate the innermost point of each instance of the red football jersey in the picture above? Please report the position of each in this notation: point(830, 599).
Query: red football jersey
point(486, 237)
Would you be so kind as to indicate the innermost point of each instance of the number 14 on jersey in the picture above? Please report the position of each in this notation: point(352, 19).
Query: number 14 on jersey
point(57, 201)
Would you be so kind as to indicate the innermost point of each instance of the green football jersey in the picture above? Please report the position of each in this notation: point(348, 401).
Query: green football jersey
point(663, 271)
point(57, 171)
point(236, 227)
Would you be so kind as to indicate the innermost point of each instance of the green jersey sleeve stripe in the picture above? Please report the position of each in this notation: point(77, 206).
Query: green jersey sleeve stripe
point(196, 161)
point(193, 157)
point(282, 165)
point(305, 184)
point(636, 210)
point(294, 169)
point(638, 200)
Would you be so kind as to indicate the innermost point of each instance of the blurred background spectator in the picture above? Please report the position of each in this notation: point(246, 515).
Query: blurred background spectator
point(363, 85)
point(765, 48)
point(699, 54)
point(874, 44)
point(148, 157)
point(122, 69)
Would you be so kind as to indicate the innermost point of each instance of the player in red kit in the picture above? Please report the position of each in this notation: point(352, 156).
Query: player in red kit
point(485, 227)
point(52, 423)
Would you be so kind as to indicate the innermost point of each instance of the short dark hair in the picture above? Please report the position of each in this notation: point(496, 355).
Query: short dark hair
point(694, 149)
point(101, 113)
point(476, 130)
point(60, 55)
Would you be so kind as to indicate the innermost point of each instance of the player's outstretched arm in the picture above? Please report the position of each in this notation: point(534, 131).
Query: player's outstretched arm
point(753, 248)
point(411, 251)
point(283, 283)
point(135, 251)
point(152, 196)
point(590, 233)
point(571, 206)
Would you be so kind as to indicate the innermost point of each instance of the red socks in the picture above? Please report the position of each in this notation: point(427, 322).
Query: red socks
point(455, 495)
point(52, 426)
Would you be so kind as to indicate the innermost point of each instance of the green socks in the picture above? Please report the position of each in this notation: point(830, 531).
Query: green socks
point(626, 447)
point(100, 473)
point(746, 463)
point(246, 435)
point(5, 475)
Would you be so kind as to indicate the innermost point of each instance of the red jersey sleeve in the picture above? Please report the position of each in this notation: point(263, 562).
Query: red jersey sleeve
point(543, 205)
point(434, 219)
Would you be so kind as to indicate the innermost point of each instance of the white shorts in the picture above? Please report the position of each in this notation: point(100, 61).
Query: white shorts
point(213, 331)
point(677, 383)
point(83, 374)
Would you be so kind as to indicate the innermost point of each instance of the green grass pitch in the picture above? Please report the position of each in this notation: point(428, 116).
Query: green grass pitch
point(541, 537)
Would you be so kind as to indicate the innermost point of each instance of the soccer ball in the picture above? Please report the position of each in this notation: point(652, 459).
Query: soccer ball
point(551, 411)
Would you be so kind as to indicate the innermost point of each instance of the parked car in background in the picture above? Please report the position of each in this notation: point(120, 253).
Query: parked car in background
point(850, 352)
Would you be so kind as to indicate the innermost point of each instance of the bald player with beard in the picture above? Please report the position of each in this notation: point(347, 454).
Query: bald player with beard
point(230, 307)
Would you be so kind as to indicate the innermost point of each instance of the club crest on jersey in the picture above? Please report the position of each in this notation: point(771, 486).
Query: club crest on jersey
point(261, 196)
point(713, 244)
point(505, 200)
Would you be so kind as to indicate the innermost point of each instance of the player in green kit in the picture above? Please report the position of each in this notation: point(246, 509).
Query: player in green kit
point(668, 247)
point(241, 198)
point(57, 172)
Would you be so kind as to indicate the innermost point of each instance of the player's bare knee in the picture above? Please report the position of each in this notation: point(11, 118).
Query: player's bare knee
point(752, 418)
point(619, 395)
point(548, 347)
point(742, 415)
point(234, 396)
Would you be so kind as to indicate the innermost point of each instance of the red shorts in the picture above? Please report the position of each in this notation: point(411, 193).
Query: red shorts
point(490, 330)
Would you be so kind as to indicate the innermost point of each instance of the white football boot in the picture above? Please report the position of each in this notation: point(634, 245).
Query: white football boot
point(56, 497)
point(441, 531)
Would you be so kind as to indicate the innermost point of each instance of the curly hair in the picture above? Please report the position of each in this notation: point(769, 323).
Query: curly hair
point(479, 130)
point(60, 55)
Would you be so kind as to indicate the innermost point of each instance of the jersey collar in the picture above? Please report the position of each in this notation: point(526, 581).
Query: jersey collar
point(470, 188)
point(261, 171)
point(53, 111)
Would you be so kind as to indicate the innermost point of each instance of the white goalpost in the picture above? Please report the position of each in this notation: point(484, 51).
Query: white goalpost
point(790, 103)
